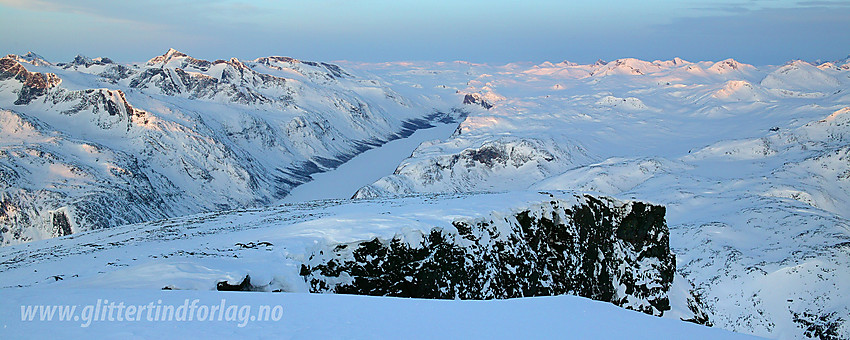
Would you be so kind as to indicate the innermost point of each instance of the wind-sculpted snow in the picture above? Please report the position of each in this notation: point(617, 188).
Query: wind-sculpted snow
point(93, 143)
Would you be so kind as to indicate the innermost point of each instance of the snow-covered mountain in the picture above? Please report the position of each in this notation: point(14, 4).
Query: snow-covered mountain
point(749, 163)
point(92, 143)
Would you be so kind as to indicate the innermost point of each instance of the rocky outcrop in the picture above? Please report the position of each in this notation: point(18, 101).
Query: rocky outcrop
point(498, 161)
point(84, 61)
point(33, 84)
point(110, 106)
point(598, 248)
point(477, 99)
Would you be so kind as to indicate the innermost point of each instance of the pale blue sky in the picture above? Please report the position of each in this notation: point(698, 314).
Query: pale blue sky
point(753, 31)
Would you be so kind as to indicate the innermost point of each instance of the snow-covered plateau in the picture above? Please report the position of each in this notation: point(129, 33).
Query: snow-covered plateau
point(713, 192)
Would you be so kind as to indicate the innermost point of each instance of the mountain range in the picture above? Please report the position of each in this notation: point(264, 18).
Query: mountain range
point(741, 174)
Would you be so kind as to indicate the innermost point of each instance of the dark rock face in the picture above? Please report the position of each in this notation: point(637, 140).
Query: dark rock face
point(61, 224)
point(599, 249)
point(474, 98)
point(244, 286)
point(33, 85)
point(825, 327)
point(503, 154)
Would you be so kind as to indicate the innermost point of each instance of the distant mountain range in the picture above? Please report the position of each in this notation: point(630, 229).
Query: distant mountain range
point(92, 143)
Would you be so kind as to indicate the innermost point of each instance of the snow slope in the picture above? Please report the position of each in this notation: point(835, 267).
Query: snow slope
point(314, 316)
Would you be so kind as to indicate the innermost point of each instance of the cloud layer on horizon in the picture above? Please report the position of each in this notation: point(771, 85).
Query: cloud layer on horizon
point(758, 32)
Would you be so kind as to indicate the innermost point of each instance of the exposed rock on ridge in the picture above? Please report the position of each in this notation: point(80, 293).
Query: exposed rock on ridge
point(600, 249)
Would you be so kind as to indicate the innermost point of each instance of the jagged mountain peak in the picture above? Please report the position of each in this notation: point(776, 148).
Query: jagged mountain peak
point(633, 62)
point(232, 62)
point(30, 58)
point(173, 56)
point(35, 59)
point(235, 62)
point(147, 118)
point(678, 61)
point(173, 53)
point(827, 65)
point(32, 55)
point(81, 60)
point(548, 64)
point(33, 84)
point(844, 63)
point(797, 64)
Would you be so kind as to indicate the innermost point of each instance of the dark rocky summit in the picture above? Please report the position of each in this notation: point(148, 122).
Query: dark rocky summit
point(476, 99)
point(33, 84)
point(600, 249)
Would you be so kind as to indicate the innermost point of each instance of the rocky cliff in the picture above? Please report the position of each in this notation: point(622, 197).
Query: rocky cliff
point(598, 248)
